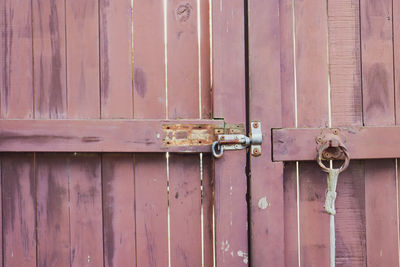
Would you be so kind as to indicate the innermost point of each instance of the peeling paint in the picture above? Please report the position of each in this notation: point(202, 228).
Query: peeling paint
point(244, 255)
point(225, 246)
point(263, 203)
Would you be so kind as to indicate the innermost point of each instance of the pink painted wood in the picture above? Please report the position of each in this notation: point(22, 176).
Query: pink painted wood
point(266, 187)
point(101, 135)
point(150, 102)
point(18, 185)
point(378, 109)
point(18, 189)
point(116, 58)
point(16, 60)
point(230, 173)
point(53, 209)
point(118, 184)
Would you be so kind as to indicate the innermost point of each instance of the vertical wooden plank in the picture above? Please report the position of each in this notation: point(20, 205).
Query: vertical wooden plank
point(17, 174)
point(350, 217)
point(377, 62)
point(52, 175)
point(183, 59)
point(208, 200)
point(149, 60)
point(1, 221)
point(16, 76)
point(378, 108)
point(49, 59)
point(290, 215)
point(346, 104)
point(229, 103)
point(19, 240)
point(266, 213)
point(85, 188)
point(290, 211)
point(183, 102)
point(185, 210)
point(344, 62)
point(119, 210)
point(396, 42)
point(205, 64)
point(82, 18)
point(151, 210)
point(117, 102)
point(86, 210)
point(116, 58)
point(150, 102)
point(312, 111)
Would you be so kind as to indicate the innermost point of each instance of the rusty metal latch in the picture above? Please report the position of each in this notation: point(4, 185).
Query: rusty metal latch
point(239, 141)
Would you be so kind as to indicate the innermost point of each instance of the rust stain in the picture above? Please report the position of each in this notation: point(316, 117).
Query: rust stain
point(189, 134)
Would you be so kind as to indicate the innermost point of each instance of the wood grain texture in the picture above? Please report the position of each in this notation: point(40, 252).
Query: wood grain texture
point(208, 208)
point(266, 187)
point(313, 111)
point(230, 173)
point(118, 210)
point(150, 102)
point(345, 62)
point(106, 135)
point(396, 56)
point(183, 102)
point(377, 62)
point(350, 217)
point(205, 64)
point(149, 60)
point(346, 109)
point(151, 210)
point(289, 144)
point(16, 76)
point(185, 210)
point(183, 59)
point(288, 83)
point(311, 63)
point(86, 210)
point(19, 240)
point(116, 58)
point(82, 35)
point(290, 214)
point(378, 92)
point(53, 210)
point(49, 57)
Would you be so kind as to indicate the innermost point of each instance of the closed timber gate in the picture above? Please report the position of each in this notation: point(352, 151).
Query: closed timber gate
point(91, 92)
point(109, 107)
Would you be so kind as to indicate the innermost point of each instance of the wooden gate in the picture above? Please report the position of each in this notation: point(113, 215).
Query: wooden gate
point(84, 81)
point(337, 67)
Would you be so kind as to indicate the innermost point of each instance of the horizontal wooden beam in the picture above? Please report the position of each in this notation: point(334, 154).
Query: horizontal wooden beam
point(189, 136)
point(362, 142)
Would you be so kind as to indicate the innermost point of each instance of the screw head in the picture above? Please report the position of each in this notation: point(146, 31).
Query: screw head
point(255, 125)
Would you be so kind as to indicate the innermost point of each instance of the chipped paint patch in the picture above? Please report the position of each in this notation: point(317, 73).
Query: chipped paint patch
point(225, 246)
point(263, 203)
point(244, 255)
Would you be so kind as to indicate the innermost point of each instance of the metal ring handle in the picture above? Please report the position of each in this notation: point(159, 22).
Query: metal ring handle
point(325, 146)
point(215, 148)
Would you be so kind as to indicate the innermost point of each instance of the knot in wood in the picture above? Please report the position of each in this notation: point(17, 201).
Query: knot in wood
point(183, 12)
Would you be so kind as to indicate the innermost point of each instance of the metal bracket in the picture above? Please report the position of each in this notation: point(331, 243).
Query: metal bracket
point(239, 141)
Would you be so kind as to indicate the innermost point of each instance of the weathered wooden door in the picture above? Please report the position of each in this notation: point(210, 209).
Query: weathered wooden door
point(91, 92)
point(316, 65)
